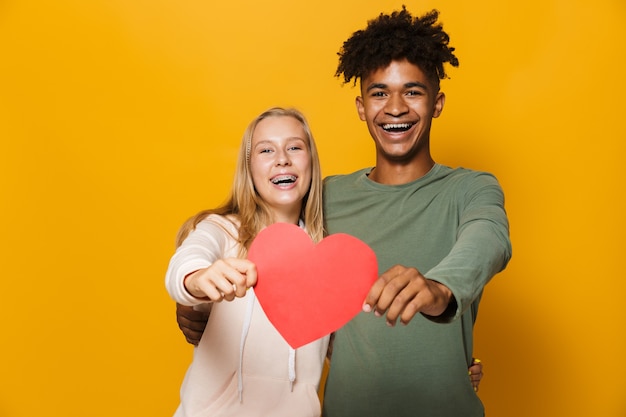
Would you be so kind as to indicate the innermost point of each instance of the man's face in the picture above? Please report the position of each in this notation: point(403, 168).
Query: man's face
point(398, 103)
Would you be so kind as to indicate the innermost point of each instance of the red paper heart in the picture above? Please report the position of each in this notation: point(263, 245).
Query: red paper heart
point(308, 291)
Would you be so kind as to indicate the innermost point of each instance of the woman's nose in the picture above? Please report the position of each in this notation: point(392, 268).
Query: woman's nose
point(282, 158)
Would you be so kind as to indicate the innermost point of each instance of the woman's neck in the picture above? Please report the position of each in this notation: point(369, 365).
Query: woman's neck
point(291, 217)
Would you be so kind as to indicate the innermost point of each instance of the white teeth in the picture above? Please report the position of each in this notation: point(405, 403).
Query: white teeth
point(283, 179)
point(404, 126)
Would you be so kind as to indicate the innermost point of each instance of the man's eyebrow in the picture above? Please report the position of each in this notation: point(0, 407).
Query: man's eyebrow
point(411, 84)
point(416, 84)
point(376, 85)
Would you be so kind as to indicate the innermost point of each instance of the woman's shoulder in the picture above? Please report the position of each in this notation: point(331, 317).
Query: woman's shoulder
point(228, 222)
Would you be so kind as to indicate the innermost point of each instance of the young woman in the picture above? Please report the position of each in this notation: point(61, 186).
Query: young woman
point(242, 366)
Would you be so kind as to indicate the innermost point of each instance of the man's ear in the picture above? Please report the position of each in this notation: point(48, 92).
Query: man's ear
point(360, 108)
point(440, 100)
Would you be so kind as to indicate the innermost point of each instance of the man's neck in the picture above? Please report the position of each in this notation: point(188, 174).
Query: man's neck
point(391, 173)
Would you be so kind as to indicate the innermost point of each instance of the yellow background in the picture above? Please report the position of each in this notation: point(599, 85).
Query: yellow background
point(118, 119)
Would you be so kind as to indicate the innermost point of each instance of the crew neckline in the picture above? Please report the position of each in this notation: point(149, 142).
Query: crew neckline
point(426, 177)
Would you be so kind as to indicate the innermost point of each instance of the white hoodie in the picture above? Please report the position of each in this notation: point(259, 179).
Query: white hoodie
point(242, 366)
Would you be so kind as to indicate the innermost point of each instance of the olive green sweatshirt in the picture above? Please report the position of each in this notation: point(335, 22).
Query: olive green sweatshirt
point(451, 225)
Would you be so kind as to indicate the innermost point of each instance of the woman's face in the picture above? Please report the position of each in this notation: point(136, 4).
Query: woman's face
point(280, 162)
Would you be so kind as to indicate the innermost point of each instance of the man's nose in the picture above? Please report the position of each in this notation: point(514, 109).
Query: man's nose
point(396, 106)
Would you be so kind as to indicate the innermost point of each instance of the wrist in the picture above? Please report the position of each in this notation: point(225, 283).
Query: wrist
point(189, 285)
point(445, 306)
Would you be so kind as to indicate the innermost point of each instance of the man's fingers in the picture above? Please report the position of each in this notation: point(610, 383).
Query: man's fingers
point(193, 337)
point(476, 373)
point(391, 293)
point(191, 322)
point(396, 297)
point(402, 292)
point(190, 315)
point(196, 324)
point(373, 301)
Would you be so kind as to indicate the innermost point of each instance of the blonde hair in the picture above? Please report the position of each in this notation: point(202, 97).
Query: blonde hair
point(245, 204)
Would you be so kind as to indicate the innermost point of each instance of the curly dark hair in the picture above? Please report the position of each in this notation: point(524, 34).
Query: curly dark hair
point(387, 38)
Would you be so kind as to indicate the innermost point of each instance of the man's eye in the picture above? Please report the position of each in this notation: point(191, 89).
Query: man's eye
point(414, 93)
point(378, 94)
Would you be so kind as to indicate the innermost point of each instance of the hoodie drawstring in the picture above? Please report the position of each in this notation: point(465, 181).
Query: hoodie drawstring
point(292, 351)
point(292, 367)
point(244, 335)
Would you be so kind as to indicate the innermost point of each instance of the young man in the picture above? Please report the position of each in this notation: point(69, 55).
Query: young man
point(440, 234)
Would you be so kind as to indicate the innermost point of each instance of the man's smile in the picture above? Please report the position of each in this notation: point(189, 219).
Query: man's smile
point(396, 127)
